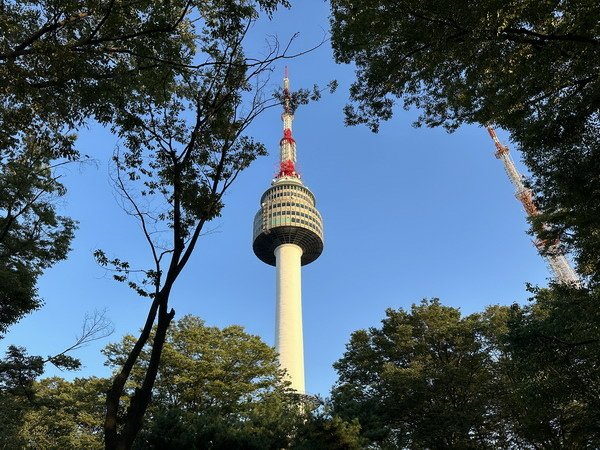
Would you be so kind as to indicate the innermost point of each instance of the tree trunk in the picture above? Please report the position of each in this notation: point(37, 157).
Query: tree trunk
point(141, 399)
point(112, 439)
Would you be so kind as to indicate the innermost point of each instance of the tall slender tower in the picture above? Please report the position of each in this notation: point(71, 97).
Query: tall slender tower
point(557, 261)
point(288, 234)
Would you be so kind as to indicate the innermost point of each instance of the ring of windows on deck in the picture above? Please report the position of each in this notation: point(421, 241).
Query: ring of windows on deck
point(287, 213)
point(286, 218)
point(283, 218)
point(288, 205)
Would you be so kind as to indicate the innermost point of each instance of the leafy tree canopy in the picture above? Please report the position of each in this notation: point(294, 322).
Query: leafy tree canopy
point(550, 369)
point(32, 235)
point(18, 372)
point(510, 377)
point(64, 61)
point(205, 366)
point(216, 388)
point(65, 414)
point(522, 65)
point(322, 431)
point(422, 380)
point(214, 385)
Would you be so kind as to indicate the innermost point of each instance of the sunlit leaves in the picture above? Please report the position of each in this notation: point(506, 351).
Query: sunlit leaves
point(424, 379)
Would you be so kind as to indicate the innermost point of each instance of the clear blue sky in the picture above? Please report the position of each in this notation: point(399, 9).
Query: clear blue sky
point(409, 214)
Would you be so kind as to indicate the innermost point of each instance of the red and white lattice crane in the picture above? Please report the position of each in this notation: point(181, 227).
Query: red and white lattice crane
point(559, 265)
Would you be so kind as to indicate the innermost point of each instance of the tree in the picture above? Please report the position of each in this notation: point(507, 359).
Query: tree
point(223, 388)
point(65, 414)
point(424, 379)
point(216, 388)
point(220, 388)
point(552, 349)
point(61, 63)
point(509, 377)
point(567, 184)
point(322, 430)
point(24, 401)
point(530, 67)
point(173, 81)
point(32, 235)
point(18, 372)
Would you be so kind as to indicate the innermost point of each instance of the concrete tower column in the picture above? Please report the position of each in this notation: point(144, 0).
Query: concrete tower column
point(288, 327)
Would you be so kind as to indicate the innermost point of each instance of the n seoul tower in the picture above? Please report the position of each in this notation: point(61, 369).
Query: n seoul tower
point(288, 234)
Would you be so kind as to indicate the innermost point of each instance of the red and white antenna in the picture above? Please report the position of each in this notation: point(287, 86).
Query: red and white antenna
point(557, 261)
point(287, 144)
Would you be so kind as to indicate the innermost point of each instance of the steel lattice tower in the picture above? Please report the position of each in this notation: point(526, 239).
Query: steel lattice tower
point(557, 261)
point(288, 234)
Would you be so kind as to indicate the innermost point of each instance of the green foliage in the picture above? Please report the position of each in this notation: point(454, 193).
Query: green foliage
point(551, 369)
point(32, 235)
point(423, 380)
point(568, 188)
point(67, 414)
point(200, 362)
point(322, 431)
point(62, 62)
point(216, 388)
point(65, 362)
point(520, 65)
point(18, 372)
point(530, 67)
point(219, 385)
point(510, 377)
point(221, 389)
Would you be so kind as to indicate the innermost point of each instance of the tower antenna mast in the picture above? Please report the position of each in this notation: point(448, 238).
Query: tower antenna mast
point(557, 261)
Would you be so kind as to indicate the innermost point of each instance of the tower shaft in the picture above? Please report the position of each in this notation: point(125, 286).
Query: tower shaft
point(288, 326)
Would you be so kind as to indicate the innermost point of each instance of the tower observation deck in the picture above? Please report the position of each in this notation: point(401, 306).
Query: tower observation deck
point(288, 234)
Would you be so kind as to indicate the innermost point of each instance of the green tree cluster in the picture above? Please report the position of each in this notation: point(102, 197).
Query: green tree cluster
point(65, 414)
point(510, 377)
point(423, 380)
point(216, 389)
point(553, 355)
point(219, 386)
point(62, 62)
point(18, 373)
point(29, 408)
point(172, 80)
point(222, 389)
